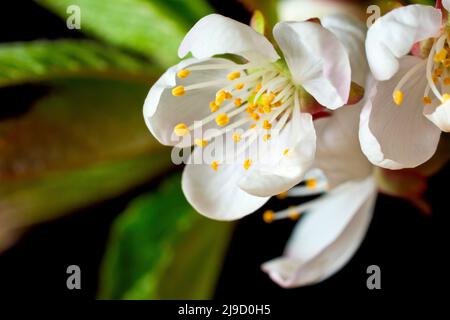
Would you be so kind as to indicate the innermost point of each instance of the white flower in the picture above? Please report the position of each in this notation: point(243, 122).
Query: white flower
point(260, 100)
point(334, 224)
point(408, 51)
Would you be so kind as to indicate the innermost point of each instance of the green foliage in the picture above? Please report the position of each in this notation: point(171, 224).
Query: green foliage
point(44, 60)
point(160, 248)
point(147, 27)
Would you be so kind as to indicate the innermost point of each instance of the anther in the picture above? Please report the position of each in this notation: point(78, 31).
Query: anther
point(233, 75)
point(239, 86)
point(238, 102)
point(426, 100)
point(267, 137)
point(201, 142)
point(268, 216)
point(215, 165)
point(440, 56)
point(285, 152)
point(445, 97)
point(222, 119)
point(311, 183)
point(236, 137)
point(282, 196)
point(213, 106)
point(267, 125)
point(398, 97)
point(181, 129)
point(183, 73)
point(294, 215)
point(247, 164)
point(178, 91)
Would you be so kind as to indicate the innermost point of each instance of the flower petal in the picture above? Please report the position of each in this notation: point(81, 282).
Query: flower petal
point(277, 172)
point(446, 4)
point(338, 152)
point(352, 34)
point(393, 35)
point(317, 61)
point(216, 194)
point(216, 34)
point(163, 111)
point(327, 237)
point(439, 115)
point(397, 137)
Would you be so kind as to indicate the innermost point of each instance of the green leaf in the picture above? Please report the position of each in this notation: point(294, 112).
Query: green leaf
point(144, 26)
point(258, 22)
point(80, 144)
point(44, 60)
point(160, 248)
point(268, 9)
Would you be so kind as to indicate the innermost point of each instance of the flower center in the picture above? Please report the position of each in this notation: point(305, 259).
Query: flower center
point(437, 73)
point(258, 98)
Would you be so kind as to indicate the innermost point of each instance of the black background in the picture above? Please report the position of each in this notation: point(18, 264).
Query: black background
point(410, 248)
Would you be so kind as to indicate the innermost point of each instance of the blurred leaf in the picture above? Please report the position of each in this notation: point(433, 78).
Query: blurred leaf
point(43, 60)
point(78, 123)
point(80, 144)
point(144, 26)
point(160, 248)
point(24, 203)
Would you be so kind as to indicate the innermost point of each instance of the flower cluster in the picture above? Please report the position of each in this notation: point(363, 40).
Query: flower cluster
point(312, 114)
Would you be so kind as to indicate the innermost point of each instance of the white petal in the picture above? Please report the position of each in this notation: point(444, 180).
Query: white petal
point(278, 172)
point(446, 4)
point(301, 10)
point(163, 111)
point(216, 34)
point(397, 137)
point(316, 60)
point(327, 237)
point(439, 115)
point(338, 152)
point(216, 194)
point(352, 34)
point(393, 35)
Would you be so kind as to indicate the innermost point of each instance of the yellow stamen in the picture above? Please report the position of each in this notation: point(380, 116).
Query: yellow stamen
point(183, 73)
point(268, 216)
point(238, 102)
point(267, 98)
point(201, 142)
point(285, 152)
point(228, 95)
point(250, 109)
point(267, 125)
point(178, 91)
point(282, 196)
point(239, 86)
point(258, 87)
point(252, 126)
point(181, 129)
point(446, 63)
point(220, 97)
point(426, 100)
point(447, 81)
point(440, 56)
point(236, 137)
point(294, 215)
point(438, 72)
point(255, 116)
point(233, 75)
point(398, 97)
point(267, 109)
point(215, 165)
point(222, 119)
point(311, 183)
point(277, 104)
point(267, 137)
point(247, 164)
point(213, 106)
point(445, 97)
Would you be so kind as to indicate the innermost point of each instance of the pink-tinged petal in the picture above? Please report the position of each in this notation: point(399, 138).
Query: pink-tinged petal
point(163, 111)
point(393, 36)
point(317, 61)
point(327, 237)
point(439, 115)
point(216, 34)
point(397, 137)
point(352, 34)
